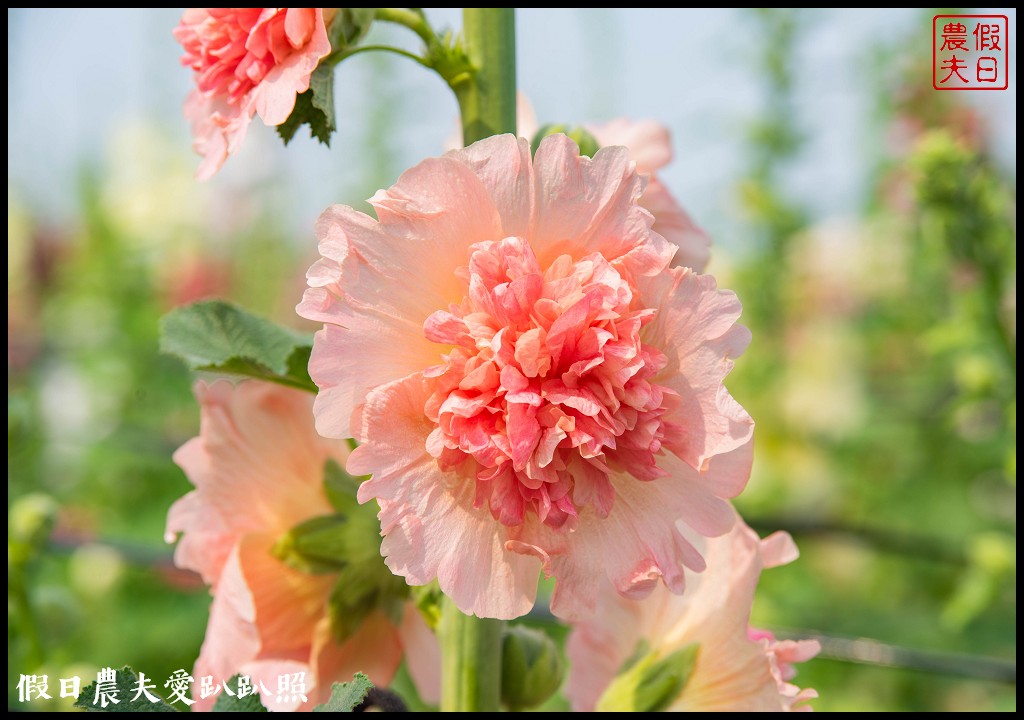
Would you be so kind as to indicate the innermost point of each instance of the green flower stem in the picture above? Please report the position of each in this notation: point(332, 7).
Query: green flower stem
point(470, 646)
point(412, 19)
point(337, 57)
point(470, 661)
point(487, 96)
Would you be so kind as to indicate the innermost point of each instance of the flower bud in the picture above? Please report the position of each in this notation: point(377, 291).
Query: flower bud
point(651, 684)
point(587, 144)
point(531, 667)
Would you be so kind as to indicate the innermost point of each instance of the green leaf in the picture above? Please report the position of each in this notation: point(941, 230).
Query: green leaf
point(651, 684)
point(315, 108)
point(345, 697)
point(125, 687)
point(365, 583)
point(216, 336)
point(232, 703)
point(346, 543)
point(349, 26)
point(341, 488)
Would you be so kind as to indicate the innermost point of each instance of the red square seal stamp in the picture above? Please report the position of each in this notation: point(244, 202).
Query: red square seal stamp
point(970, 52)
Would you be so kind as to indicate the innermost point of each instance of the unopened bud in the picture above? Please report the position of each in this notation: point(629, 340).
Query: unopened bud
point(531, 667)
point(650, 685)
point(587, 143)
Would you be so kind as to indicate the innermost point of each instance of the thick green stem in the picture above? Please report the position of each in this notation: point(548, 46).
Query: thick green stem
point(487, 97)
point(471, 646)
point(470, 661)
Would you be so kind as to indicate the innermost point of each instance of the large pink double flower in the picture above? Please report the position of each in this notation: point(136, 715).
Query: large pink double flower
point(533, 386)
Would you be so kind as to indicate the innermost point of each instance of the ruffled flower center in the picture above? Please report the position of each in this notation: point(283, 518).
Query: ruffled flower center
point(547, 387)
point(233, 49)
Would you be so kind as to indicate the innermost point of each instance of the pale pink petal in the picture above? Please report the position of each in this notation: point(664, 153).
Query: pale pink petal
point(675, 225)
point(375, 299)
point(207, 536)
point(639, 544)
point(503, 167)
point(231, 637)
point(778, 549)
point(732, 673)
point(696, 328)
point(218, 129)
point(597, 651)
point(586, 206)
point(274, 98)
point(649, 143)
point(374, 649)
point(287, 604)
point(430, 527)
point(256, 447)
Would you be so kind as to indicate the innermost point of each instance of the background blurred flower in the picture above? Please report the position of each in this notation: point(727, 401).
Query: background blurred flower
point(736, 669)
point(650, 146)
point(532, 386)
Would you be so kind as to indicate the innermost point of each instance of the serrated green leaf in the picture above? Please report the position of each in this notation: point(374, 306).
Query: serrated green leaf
point(126, 685)
point(233, 703)
point(345, 697)
point(315, 108)
point(216, 336)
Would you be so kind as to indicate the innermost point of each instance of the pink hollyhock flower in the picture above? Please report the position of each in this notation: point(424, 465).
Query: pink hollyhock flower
point(247, 61)
point(736, 669)
point(258, 469)
point(650, 147)
point(532, 384)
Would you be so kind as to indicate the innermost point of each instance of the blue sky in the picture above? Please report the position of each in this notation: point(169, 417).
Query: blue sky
point(78, 77)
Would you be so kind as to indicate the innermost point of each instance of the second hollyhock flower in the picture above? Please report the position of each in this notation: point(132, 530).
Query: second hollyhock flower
point(246, 61)
point(258, 470)
point(737, 669)
point(533, 387)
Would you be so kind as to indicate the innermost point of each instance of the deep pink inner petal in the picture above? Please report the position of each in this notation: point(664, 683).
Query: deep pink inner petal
point(232, 52)
point(546, 387)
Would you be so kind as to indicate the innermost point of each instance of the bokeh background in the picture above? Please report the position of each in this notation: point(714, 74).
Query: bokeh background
point(867, 222)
